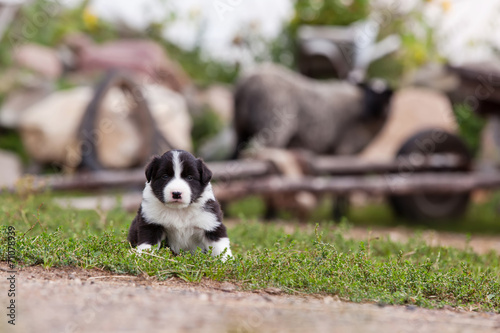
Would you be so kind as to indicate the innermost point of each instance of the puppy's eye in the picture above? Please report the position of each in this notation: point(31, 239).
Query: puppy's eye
point(165, 176)
point(189, 177)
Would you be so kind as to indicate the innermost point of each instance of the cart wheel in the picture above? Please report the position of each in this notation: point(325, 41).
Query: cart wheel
point(427, 206)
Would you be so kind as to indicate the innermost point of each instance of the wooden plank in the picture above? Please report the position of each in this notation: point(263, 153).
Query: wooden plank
point(228, 171)
point(345, 165)
point(341, 165)
point(222, 171)
point(238, 169)
point(391, 184)
point(397, 183)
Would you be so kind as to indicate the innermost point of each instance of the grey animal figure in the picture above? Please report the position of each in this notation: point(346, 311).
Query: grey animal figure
point(278, 108)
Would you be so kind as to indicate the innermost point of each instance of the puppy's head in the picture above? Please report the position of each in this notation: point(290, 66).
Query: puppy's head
point(177, 178)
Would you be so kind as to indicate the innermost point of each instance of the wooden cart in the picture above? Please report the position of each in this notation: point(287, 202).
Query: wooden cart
point(425, 181)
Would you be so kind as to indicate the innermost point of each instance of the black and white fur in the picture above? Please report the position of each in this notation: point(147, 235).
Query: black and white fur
point(178, 206)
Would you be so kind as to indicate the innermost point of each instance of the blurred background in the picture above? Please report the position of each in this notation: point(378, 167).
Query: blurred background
point(74, 72)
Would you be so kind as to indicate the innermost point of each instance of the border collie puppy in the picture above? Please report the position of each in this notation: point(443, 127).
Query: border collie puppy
point(178, 206)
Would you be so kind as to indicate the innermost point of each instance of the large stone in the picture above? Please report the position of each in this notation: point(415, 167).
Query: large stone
point(171, 114)
point(220, 100)
point(10, 169)
point(50, 128)
point(38, 58)
point(144, 58)
point(17, 101)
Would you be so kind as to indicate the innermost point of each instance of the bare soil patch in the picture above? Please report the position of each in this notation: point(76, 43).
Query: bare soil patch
point(78, 300)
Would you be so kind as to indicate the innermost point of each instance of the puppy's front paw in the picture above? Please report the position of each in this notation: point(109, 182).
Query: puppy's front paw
point(222, 247)
point(146, 247)
point(227, 255)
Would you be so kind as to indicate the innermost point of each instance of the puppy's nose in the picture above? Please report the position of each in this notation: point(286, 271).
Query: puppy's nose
point(176, 195)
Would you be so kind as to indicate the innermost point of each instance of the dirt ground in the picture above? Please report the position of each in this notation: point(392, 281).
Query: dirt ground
point(478, 243)
point(481, 244)
point(77, 300)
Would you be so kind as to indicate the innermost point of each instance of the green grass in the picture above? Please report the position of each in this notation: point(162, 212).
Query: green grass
point(470, 126)
point(10, 140)
point(321, 262)
point(483, 218)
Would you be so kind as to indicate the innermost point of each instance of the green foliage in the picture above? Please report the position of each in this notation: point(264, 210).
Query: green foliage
point(470, 126)
point(418, 44)
point(205, 126)
point(330, 12)
point(480, 218)
point(248, 208)
point(324, 262)
point(202, 70)
point(11, 141)
point(311, 12)
point(47, 22)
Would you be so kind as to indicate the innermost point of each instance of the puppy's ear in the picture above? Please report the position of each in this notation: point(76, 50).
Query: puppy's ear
point(205, 173)
point(152, 167)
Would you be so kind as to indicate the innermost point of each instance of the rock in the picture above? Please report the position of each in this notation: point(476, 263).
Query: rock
point(411, 307)
point(145, 58)
point(171, 114)
point(10, 169)
point(227, 287)
point(118, 137)
point(447, 307)
point(18, 101)
point(219, 99)
point(49, 129)
point(38, 58)
point(330, 299)
point(273, 291)
point(412, 110)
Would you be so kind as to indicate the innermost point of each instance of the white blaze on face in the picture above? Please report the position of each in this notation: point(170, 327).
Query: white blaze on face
point(177, 185)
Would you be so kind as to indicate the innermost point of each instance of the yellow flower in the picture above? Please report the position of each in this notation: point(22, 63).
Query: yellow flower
point(446, 5)
point(89, 19)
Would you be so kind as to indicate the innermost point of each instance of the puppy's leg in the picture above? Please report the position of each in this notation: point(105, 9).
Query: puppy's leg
point(217, 238)
point(219, 246)
point(149, 235)
point(133, 231)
